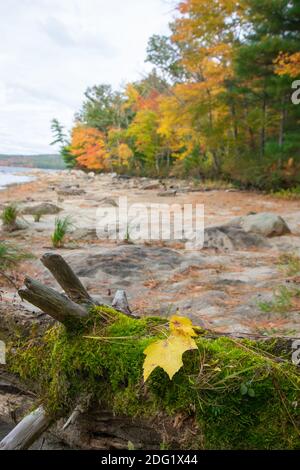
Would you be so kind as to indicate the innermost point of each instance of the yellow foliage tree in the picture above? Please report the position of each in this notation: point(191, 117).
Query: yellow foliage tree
point(288, 64)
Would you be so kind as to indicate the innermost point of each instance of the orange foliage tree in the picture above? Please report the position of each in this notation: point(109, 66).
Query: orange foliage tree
point(88, 147)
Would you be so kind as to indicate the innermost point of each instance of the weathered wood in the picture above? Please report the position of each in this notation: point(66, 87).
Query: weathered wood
point(52, 303)
point(120, 303)
point(27, 431)
point(66, 278)
point(101, 429)
point(81, 407)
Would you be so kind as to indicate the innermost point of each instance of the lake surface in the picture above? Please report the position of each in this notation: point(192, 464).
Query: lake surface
point(12, 175)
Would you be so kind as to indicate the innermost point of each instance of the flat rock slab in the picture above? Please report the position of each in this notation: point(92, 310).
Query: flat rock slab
point(125, 261)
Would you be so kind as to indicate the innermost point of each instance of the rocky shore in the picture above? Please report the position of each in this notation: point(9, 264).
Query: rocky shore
point(240, 281)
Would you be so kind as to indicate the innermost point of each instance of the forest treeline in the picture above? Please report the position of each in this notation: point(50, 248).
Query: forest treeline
point(217, 104)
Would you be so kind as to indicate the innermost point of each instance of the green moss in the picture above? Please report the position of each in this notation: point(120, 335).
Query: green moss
point(211, 387)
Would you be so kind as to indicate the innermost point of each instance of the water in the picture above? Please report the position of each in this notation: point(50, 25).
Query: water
point(13, 175)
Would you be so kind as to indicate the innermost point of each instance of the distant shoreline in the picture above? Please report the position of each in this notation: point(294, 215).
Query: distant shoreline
point(43, 162)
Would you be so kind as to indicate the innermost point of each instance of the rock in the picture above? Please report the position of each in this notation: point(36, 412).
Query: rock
point(149, 186)
point(108, 202)
point(228, 238)
point(70, 191)
point(13, 227)
point(91, 174)
point(124, 177)
point(126, 261)
point(266, 224)
point(45, 208)
point(169, 193)
point(84, 234)
point(79, 173)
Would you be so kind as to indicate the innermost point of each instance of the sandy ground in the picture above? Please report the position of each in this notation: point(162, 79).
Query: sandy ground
point(224, 291)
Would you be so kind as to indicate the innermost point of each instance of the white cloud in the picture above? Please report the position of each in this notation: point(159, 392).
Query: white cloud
point(52, 50)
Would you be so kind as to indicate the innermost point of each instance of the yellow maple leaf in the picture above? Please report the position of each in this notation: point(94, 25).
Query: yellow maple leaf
point(182, 326)
point(168, 353)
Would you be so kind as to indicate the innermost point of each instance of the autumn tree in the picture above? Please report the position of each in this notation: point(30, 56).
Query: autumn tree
point(217, 102)
point(119, 151)
point(88, 147)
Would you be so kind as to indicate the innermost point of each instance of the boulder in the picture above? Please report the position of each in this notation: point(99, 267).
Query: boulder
point(228, 238)
point(266, 224)
point(45, 208)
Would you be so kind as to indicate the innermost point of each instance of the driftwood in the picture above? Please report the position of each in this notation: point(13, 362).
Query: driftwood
point(27, 431)
point(52, 303)
point(120, 303)
point(66, 278)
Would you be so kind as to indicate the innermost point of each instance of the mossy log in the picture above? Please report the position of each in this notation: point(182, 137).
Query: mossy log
point(232, 393)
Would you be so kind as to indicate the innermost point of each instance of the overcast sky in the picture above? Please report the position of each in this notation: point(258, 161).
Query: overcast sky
point(52, 50)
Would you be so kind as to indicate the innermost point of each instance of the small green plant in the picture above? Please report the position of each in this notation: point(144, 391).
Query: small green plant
point(130, 445)
point(290, 263)
point(9, 216)
point(291, 194)
point(11, 255)
point(62, 227)
point(246, 389)
point(283, 301)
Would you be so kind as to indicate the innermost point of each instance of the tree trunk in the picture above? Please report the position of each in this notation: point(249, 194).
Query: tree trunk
point(281, 131)
point(263, 127)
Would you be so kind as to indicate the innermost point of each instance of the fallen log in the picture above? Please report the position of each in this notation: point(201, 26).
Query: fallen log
point(210, 402)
